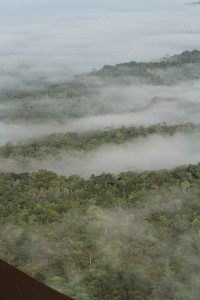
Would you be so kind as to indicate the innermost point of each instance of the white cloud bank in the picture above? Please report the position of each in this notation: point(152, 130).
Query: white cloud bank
point(57, 38)
point(154, 152)
point(136, 104)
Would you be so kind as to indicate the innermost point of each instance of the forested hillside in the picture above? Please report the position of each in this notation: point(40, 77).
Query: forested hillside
point(178, 67)
point(131, 236)
point(100, 180)
point(65, 142)
point(105, 91)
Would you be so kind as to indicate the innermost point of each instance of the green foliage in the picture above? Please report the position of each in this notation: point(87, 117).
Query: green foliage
point(55, 144)
point(110, 237)
point(79, 97)
point(141, 244)
point(148, 70)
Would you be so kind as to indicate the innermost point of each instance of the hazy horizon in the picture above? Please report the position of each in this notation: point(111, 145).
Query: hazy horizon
point(57, 39)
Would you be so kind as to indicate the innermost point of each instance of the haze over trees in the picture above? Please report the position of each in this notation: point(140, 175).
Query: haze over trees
point(100, 146)
point(100, 181)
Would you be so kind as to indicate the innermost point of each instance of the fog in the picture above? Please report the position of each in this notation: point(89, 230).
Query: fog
point(123, 238)
point(54, 40)
point(49, 56)
point(44, 42)
point(152, 153)
point(110, 105)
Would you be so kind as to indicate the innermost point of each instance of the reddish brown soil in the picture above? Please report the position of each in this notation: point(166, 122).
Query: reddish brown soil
point(16, 285)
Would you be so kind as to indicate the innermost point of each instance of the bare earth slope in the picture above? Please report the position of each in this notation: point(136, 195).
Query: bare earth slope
point(16, 285)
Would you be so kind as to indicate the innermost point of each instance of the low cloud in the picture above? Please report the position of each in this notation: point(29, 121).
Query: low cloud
point(113, 105)
point(68, 41)
point(152, 153)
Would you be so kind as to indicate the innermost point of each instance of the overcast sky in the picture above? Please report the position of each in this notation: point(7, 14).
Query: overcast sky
point(56, 37)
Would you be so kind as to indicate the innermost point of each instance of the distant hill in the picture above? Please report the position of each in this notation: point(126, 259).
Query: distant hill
point(144, 68)
point(185, 57)
point(80, 96)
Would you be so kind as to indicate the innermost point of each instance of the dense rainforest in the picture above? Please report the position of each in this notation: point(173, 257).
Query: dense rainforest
point(87, 141)
point(100, 181)
point(130, 236)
